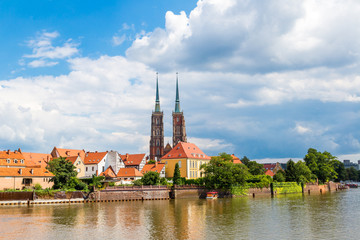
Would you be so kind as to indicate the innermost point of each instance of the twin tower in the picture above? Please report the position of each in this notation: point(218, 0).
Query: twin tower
point(157, 125)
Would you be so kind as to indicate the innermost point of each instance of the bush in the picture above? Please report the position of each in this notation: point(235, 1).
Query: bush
point(137, 182)
point(111, 184)
point(37, 186)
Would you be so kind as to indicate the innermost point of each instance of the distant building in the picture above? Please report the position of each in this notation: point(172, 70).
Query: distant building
point(189, 157)
point(274, 167)
point(348, 164)
point(236, 160)
point(127, 175)
point(179, 131)
point(79, 165)
point(157, 167)
point(269, 173)
point(94, 163)
point(137, 161)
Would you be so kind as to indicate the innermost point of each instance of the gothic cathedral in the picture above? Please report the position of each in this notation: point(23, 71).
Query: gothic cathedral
point(157, 125)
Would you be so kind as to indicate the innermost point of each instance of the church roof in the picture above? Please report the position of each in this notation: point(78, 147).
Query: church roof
point(186, 150)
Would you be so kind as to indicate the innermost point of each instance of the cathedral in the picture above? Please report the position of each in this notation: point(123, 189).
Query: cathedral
point(157, 149)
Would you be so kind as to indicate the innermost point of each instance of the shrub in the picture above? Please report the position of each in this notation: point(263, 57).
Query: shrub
point(37, 186)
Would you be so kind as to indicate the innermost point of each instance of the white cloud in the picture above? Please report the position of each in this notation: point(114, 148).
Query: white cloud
point(43, 50)
point(118, 40)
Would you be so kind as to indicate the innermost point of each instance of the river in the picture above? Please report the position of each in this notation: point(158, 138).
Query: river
point(327, 216)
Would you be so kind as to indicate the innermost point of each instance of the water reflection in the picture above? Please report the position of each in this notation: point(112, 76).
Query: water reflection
point(328, 216)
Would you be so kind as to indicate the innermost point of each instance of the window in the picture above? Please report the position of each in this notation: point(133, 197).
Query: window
point(22, 160)
point(92, 168)
point(103, 168)
point(86, 169)
point(179, 164)
point(8, 160)
point(177, 119)
point(15, 161)
point(157, 142)
point(157, 151)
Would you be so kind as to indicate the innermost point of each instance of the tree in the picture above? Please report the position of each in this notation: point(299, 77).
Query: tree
point(279, 176)
point(321, 164)
point(222, 173)
point(256, 168)
point(340, 170)
point(352, 174)
point(177, 175)
point(297, 172)
point(290, 172)
point(151, 178)
point(245, 160)
point(63, 171)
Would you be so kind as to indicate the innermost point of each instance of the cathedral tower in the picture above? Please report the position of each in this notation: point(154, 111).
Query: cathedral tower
point(179, 132)
point(157, 128)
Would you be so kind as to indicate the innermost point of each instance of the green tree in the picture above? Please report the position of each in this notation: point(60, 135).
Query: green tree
point(256, 168)
point(290, 172)
point(340, 170)
point(245, 160)
point(303, 173)
point(352, 174)
point(222, 173)
point(63, 171)
point(151, 161)
point(151, 178)
point(321, 164)
point(177, 175)
point(279, 176)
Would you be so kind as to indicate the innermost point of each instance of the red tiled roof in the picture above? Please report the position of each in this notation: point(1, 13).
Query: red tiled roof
point(186, 150)
point(236, 159)
point(109, 173)
point(269, 173)
point(269, 165)
point(25, 172)
point(63, 152)
point(94, 157)
point(153, 168)
point(72, 159)
point(16, 155)
point(132, 159)
point(33, 159)
point(129, 172)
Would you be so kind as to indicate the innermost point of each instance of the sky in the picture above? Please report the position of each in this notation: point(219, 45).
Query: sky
point(266, 80)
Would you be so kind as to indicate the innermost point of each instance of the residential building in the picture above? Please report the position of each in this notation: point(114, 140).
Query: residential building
point(108, 173)
point(274, 167)
point(79, 165)
point(157, 167)
point(127, 175)
point(63, 152)
point(236, 160)
point(35, 159)
point(189, 157)
point(348, 164)
point(94, 163)
point(269, 173)
point(114, 160)
point(15, 173)
point(137, 161)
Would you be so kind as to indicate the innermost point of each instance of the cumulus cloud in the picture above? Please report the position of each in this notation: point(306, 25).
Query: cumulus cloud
point(253, 36)
point(43, 51)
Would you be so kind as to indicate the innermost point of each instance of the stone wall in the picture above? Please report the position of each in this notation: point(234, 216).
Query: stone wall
point(259, 192)
point(150, 194)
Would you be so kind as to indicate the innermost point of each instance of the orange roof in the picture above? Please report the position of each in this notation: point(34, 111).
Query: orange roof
point(270, 173)
point(132, 159)
point(129, 172)
point(9, 158)
point(153, 168)
point(33, 159)
point(94, 157)
point(236, 159)
point(109, 173)
point(186, 150)
point(63, 152)
point(25, 172)
point(72, 159)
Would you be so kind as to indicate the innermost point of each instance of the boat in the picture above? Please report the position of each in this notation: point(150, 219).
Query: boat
point(211, 195)
point(352, 185)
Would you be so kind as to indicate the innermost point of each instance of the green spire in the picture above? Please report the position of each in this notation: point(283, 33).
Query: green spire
point(177, 100)
point(157, 102)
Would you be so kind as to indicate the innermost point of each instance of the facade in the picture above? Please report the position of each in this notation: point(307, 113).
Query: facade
point(114, 160)
point(157, 129)
point(79, 165)
point(274, 167)
point(94, 163)
point(179, 131)
point(348, 164)
point(189, 157)
point(16, 173)
point(137, 161)
point(108, 173)
point(157, 167)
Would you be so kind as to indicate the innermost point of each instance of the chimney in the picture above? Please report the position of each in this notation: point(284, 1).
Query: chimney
point(19, 150)
point(156, 163)
point(8, 152)
point(127, 156)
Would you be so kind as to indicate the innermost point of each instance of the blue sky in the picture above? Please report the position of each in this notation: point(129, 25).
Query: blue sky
point(265, 80)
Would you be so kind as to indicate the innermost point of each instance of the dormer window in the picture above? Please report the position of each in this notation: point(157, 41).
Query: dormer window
point(8, 160)
point(22, 160)
point(15, 161)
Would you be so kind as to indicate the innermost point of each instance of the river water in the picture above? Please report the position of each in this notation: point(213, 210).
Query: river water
point(295, 216)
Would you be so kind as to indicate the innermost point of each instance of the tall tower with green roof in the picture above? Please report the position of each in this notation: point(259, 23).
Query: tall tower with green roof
point(157, 128)
point(179, 131)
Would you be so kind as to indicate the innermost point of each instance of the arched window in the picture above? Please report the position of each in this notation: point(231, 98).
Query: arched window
point(157, 132)
point(158, 142)
point(157, 151)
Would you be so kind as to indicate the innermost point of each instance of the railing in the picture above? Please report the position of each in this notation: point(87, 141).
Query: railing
point(129, 188)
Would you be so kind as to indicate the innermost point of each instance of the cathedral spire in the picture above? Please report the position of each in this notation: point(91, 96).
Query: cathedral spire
point(177, 100)
point(157, 101)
